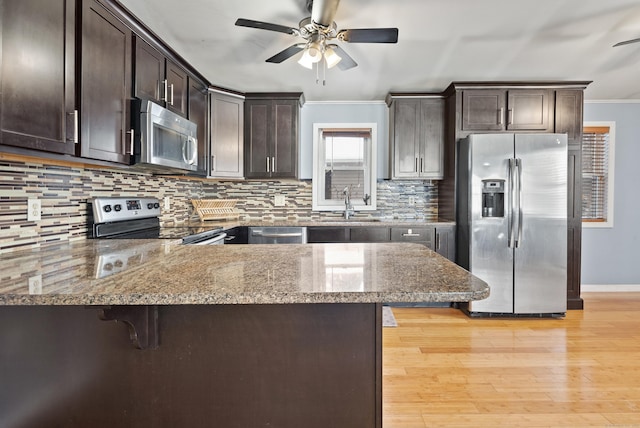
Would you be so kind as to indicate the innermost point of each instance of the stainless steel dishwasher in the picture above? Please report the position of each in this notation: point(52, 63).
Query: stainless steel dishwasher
point(277, 235)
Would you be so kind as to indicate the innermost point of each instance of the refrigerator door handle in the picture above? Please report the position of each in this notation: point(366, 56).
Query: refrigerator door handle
point(512, 208)
point(520, 213)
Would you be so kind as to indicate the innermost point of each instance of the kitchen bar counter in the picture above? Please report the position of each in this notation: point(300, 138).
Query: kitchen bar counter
point(234, 336)
point(161, 272)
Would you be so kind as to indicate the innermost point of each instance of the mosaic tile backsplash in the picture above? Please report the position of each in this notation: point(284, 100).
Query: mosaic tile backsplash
point(64, 192)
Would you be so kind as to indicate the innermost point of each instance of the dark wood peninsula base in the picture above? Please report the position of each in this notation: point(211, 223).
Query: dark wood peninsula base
point(280, 365)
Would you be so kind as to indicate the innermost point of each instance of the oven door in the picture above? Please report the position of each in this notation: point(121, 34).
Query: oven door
point(213, 240)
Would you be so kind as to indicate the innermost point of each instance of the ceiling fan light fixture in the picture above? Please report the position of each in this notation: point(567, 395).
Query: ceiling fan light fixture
point(306, 60)
point(331, 57)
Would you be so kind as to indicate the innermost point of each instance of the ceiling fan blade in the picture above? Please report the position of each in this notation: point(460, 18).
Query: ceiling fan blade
point(369, 35)
point(323, 11)
point(287, 53)
point(627, 42)
point(346, 62)
point(267, 26)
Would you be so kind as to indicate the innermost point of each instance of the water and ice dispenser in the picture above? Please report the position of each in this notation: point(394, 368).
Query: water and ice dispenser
point(492, 198)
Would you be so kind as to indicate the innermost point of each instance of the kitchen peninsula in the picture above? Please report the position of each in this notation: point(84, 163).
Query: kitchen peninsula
point(230, 336)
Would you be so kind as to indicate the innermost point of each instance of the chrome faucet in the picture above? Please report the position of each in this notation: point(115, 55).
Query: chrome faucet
point(348, 207)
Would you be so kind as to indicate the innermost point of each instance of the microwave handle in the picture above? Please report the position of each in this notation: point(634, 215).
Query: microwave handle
point(194, 150)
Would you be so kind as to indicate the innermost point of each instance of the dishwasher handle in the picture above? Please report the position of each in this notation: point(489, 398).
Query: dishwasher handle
point(276, 235)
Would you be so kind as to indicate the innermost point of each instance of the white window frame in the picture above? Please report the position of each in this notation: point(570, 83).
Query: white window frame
point(318, 165)
point(611, 174)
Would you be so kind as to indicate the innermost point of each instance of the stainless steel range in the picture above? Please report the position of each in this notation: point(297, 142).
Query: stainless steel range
point(138, 218)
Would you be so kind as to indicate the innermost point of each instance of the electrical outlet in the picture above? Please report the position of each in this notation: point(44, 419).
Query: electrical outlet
point(412, 200)
point(167, 203)
point(34, 209)
point(279, 201)
point(35, 284)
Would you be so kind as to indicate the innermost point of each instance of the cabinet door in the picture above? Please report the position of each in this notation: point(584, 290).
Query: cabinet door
point(369, 234)
point(257, 155)
point(445, 241)
point(568, 116)
point(419, 235)
point(198, 99)
point(284, 145)
point(37, 103)
point(149, 79)
point(406, 138)
point(326, 234)
point(227, 141)
point(177, 88)
point(483, 110)
point(529, 110)
point(106, 83)
point(432, 139)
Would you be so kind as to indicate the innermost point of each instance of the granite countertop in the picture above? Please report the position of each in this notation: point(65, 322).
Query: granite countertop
point(327, 222)
point(144, 272)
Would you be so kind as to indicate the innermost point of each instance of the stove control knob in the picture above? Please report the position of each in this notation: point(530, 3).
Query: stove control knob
point(107, 208)
point(156, 205)
point(117, 207)
point(150, 205)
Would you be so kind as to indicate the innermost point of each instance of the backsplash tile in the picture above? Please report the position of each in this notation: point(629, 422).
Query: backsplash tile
point(65, 190)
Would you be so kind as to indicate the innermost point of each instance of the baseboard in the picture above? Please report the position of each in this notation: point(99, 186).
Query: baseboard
point(606, 288)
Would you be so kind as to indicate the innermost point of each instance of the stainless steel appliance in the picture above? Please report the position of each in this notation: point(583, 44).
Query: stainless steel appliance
point(138, 218)
point(512, 221)
point(164, 140)
point(277, 235)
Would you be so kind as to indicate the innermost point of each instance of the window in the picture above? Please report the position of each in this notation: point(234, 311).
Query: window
point(344, 162)
point(597, 174)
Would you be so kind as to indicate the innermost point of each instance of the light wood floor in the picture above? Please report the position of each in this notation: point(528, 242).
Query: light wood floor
point(441, 368)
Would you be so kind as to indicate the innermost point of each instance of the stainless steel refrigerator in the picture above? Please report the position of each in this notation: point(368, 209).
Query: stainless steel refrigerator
point(512, 221)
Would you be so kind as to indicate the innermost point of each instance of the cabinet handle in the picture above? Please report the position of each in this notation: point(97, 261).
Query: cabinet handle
point(131, 137)
point(268, 164)
point(166, 90)
point(411, 234)
point(273, 164)
point(75, 138)
point(500, 116)
point(437, 242)
point(415, 166)
point(171, 94)
point(421, 162)
point(510, 116)
point(213, 162)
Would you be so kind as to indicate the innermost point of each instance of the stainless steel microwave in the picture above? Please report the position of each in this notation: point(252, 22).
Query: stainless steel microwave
point(165, 141)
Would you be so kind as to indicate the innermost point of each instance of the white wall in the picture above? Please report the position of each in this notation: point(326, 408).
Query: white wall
point(343, 112)
point(611, 255)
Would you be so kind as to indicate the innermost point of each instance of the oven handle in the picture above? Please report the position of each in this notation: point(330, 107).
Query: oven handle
point(212, 241)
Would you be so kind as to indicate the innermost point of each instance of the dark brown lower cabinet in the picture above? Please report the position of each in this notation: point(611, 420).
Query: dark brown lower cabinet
point(231, 366)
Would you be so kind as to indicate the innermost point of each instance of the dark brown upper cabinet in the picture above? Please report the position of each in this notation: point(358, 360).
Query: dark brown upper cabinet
point(271, 136)
point(159, 79)
point(105, 86)
point(417, 138)
point(198, 101)
point(507, 110)
point(38, 103)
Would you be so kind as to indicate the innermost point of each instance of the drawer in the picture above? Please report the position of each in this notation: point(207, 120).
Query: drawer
point(369, 234)
point(421, 235)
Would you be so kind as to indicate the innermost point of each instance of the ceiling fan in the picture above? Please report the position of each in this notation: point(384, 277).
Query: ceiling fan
point(318, 31)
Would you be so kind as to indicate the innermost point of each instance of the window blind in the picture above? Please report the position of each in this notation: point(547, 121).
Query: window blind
point(595, 173)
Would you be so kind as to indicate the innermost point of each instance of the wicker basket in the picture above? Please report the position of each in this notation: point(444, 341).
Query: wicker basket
point(215, 209)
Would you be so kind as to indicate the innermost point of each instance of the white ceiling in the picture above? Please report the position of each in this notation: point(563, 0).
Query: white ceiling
point(439, 41)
